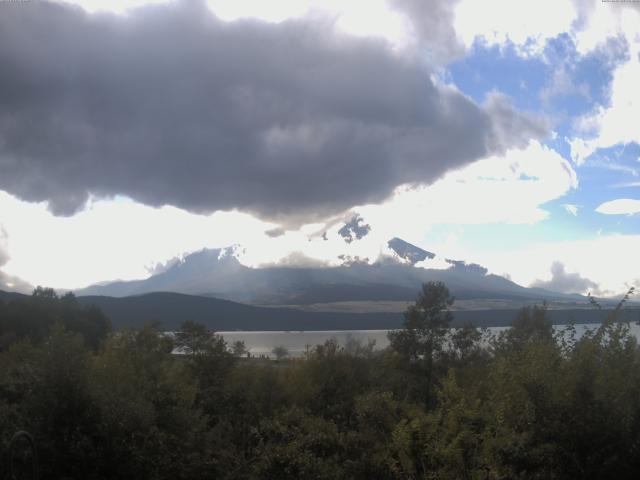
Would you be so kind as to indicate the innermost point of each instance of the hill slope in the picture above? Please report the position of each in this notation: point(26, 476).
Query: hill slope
point(171, 309)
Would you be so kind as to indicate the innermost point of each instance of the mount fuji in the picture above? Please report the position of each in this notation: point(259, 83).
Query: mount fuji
point(219, 273)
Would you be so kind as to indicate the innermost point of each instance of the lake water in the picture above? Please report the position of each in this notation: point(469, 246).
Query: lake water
point(298, 342)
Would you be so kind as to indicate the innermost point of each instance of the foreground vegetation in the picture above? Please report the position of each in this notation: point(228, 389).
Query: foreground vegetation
point(438, 403)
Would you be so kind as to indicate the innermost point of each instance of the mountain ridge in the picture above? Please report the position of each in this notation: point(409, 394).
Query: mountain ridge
point(218, 273)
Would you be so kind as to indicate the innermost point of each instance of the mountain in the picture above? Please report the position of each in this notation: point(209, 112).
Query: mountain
point(9, 296)
point(218, 273)
point(409, 252)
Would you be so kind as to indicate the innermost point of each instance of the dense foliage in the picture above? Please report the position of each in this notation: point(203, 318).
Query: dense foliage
point(437, 404)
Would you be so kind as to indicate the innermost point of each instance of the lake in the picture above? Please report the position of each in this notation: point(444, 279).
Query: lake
point(297, 342)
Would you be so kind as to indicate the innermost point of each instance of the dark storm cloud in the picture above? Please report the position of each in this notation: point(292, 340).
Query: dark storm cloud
point(275, 232)
point(169, 105)
point(564, 282)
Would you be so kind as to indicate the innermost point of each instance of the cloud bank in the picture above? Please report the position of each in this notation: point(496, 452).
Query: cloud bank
point(9, 282)
point(169, 105)
point(565, 282)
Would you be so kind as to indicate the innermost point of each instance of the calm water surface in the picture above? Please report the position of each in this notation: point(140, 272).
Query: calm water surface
point(297, 342)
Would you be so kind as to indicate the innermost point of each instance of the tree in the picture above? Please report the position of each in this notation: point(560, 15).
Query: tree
point(531, 325)
point(148, 422)
point(210, 362)
point(425, 324)
point(465, 342)
point(33, 317)
point(239, 349)
point(421, 341)
point(44, 293)
point(194, 339)
point(59, 405)
point(280, 352)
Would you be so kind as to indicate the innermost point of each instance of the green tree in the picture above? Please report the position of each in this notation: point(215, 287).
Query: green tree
point(195, 339)
point(298, 445)
point(239, 349)
point(280, 352)
point(149, 425)
point(210, 362)
point(60, 407)
point(530, 325)
point(425, 324)
point(420, 343)
point(336, 378)
point(34, 316)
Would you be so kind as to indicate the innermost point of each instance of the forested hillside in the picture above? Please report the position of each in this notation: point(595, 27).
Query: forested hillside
point(438, 403)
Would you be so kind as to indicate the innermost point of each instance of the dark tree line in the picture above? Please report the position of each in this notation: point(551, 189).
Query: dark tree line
point(32, 319)
point(438, 403)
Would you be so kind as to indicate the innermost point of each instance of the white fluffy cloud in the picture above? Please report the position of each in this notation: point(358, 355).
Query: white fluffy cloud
point(615, 122)
point(111, 239)
point(500, 189)
point(597, 22)
point(528, 25)
point(565, 282)
point(9, 282)
point(621, 206)
point(609, 261)
point(580, 149)
point(611, 27)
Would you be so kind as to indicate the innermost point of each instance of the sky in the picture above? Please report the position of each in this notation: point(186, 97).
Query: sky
point(501, 132)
